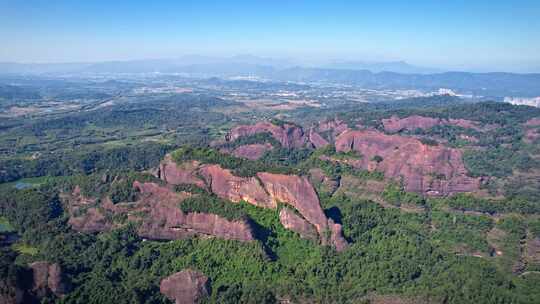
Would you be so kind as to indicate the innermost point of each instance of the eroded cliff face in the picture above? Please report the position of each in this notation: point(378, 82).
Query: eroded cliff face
point(316, 139)
point(157, 206)
point(431, 170)
point(157, 210)
point(297, 192)
point(264, 190)
point(252, 152)
point(165, 220)
point(185, 287)
point(47, 279)
point(296, 223)
point(395, 124)
point(84, 214)
point(175, 174)
point(225, 185)
point(288, 135)
point(335, 126)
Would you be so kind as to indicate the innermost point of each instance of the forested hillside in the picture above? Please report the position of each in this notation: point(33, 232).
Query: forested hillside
point(427, 200)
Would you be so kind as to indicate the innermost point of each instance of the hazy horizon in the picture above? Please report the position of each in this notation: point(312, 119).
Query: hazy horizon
point(459, 36)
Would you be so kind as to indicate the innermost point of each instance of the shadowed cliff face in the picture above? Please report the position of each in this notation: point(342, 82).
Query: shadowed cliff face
point(296, 223)
point(39, 282)
point(431, 170)
point(47, 279)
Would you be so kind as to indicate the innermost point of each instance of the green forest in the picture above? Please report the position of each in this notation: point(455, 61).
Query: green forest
point(443, 251)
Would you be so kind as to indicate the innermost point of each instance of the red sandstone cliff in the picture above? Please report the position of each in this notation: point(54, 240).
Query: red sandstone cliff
point(225, 185)
point(432, 170)
point(288, 135)
point(157, 210)
point(294, 222)
point(185, 287)
point(396, 124)
point(297, 192)
point(252, 152)
point(175, 174)
point(264, 190)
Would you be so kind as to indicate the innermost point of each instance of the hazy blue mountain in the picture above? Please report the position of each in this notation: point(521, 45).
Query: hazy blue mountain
point(483, 84)
point(40, 68)
point(391, 66)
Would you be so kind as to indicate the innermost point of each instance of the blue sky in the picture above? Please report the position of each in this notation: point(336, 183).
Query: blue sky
point(467, 35)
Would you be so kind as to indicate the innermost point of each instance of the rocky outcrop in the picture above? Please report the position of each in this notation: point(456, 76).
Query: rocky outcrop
point(175, 174)
point(263, 190)
point(165, 220)
point(322, 182)
point(335, 126)
point(288, 135)
point(336, 236)
point(157, 207)
point(158, 213)
point(185, 287)
point(317, 140)
point(47, 279)
point(296, 223)
point(297, 192)
point(431, 170)
point(252, 152)
point(532, 251)
point(85, 216)
point(395, 124)
point(225, 185)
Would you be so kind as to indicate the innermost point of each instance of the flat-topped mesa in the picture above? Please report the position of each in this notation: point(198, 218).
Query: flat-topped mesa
point(234, 188)
point(395, 124)
point(431, 170)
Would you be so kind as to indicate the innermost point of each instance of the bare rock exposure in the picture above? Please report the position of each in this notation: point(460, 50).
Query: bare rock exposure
point(185, 287)
point(431, 170)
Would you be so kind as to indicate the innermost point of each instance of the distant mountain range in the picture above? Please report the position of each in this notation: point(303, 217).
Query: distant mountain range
point(384, 75)
point(392, 66)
